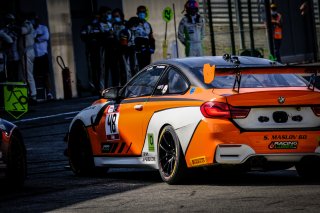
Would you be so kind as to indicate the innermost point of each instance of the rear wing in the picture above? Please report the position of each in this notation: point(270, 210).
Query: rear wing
point(313, 71)
point(269, 70)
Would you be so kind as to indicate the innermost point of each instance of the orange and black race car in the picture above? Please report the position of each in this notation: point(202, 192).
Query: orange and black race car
point(13, 163)
point(200, 112)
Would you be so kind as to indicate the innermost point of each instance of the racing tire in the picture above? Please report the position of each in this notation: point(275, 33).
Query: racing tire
point(309, 168)
point(171, 161)
point(16, 162)
point(79, 151)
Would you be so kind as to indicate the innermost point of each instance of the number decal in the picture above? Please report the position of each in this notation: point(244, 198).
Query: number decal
point(112, 123)
point(112, 130)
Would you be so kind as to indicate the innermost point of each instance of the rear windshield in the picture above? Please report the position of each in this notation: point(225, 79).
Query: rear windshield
point(256, 80)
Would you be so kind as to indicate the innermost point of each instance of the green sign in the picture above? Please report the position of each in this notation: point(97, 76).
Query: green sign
point(15, 99)
point(167, 14)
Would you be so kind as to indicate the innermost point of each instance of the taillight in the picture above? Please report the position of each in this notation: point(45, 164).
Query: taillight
point(223, 110)
point(215, 109)
point(316, 110)
point(239, 113)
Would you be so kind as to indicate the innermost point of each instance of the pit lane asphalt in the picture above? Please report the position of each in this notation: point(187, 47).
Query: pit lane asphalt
point(51, 186)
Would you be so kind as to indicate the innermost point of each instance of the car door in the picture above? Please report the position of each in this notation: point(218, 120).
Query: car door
point(127, 122)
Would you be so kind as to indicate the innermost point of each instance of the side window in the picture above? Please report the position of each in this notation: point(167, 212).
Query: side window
point(172, 83)
point(143, 84)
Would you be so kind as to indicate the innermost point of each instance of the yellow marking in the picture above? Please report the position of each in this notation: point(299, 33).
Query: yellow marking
point(198, 161)
point(208, 73)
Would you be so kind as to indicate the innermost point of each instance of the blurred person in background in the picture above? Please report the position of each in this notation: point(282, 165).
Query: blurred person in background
point(26, 44)
point(41, 60)
point(90, 35)
point(5, 43)
point(121, 35)
point(13, 58)
point(144, 40)
point(276, 23)
point(191, 29)
point(109, 57)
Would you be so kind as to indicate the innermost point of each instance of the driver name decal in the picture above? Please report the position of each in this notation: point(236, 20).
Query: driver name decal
point(285, 137)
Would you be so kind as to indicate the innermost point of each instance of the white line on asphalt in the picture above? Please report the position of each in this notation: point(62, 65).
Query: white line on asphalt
point(68, 118)
point(43, 117)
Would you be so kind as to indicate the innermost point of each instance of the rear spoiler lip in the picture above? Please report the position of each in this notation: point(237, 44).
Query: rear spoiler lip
point(267, 70)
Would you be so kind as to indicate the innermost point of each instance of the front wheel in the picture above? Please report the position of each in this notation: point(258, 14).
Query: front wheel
point(79, 151)
point(171, 162)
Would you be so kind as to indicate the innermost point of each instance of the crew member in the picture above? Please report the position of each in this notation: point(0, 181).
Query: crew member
point(13, 58)
point(276, 21)
point(5, 42)
point(41, 60)
point(119, 24)
point(109, 66)
point(27, 50)
point(191, 29)
point(90, 35)
point(144, 40)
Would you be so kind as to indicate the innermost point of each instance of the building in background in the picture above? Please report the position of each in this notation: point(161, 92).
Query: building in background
point(230, 30)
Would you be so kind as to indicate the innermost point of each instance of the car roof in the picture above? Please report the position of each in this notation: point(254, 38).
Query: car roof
point(187, 64)
point(221, 61)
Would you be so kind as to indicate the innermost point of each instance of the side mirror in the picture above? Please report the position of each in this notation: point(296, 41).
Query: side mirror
point(112, 93)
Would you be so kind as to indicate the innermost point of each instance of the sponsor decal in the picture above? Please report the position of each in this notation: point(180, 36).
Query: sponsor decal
point(147, 158)
point(160, 87)
point(151, 142)
point(283, 145)
point(105, 148)
point(109, 147)
point(198, 161)
point(112, 147)
point(193, 89)
point(164, 90)
point(111, 109)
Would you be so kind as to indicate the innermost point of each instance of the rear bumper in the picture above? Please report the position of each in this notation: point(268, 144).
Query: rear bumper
point(212, 136)
point(240, 153)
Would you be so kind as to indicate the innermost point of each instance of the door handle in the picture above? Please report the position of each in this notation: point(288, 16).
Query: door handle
point(138, 107)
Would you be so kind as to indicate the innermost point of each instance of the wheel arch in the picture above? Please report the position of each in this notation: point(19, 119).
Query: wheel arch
point(183, 120)
point(78, 123)
point(161, 129)
point(17, 133)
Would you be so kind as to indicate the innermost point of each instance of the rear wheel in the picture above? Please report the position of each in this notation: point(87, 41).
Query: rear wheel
point(171, 160)
point(79, 150)
point(16, 162)
point(309, 167)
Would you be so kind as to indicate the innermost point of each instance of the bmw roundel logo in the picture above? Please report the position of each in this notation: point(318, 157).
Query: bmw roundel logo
point(281, 99)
